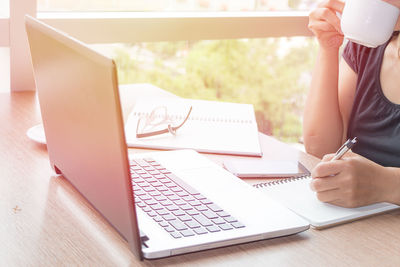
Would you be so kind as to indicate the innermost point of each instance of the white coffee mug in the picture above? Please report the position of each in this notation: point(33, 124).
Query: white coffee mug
point(369, 22)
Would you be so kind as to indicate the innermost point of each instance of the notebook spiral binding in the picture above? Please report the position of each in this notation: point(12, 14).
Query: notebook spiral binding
point(198, 118)
point(282, 181)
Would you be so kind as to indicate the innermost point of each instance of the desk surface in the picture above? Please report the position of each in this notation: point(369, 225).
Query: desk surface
point(46, 222)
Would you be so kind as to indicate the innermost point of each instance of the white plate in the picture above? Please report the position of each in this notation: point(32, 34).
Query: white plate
point(36, 133)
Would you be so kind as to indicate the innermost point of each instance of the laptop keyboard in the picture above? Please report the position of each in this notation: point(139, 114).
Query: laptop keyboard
point(177, 207)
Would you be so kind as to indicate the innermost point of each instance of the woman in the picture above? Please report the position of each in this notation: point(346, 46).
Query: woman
point(357, 94)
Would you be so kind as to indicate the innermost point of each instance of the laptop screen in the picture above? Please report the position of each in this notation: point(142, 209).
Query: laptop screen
point(82, 119)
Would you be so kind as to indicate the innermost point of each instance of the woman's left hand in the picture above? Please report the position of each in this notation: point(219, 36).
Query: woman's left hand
point(352, 181)
point(393, 2)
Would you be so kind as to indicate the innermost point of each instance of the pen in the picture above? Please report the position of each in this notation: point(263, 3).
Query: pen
point(344, 148)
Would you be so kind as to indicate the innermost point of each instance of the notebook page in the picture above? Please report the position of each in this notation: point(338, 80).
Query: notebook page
point(216, 127)
point(297, 196)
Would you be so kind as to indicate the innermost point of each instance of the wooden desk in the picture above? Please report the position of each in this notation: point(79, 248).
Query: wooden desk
point(45, 222)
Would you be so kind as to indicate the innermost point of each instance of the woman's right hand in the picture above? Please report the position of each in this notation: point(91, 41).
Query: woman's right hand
point(325, 25)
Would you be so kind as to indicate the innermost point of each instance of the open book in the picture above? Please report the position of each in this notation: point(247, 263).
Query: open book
point(212, 127)
point(295, 194)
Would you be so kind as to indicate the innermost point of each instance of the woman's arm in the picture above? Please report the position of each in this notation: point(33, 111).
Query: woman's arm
point(332, 89)
point(323, 125)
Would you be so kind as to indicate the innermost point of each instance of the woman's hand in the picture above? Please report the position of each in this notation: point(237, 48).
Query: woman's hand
point(353, 181)
point(393, 2)
point(325, 25)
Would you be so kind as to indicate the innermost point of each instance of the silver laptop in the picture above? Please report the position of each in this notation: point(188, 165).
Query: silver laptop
point(162, 203)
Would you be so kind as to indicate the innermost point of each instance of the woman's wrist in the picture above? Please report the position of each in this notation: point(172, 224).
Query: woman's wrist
point(329, 52)
point(391, 185)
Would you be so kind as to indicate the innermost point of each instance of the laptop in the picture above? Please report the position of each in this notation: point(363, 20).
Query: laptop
point(162, 203)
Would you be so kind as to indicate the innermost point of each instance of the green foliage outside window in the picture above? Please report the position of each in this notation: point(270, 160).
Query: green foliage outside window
point(246, 71)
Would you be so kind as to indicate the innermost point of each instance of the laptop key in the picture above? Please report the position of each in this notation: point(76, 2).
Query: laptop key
point(181, 193)
point(200, 231)
point(145, 175)
point(187, 233)
point(177, 189)
point(192, 212)
point(163, 224)
point(225, 226)
point(201, 208)
point(152, 180)
point(202, 220)
point(200, 197)
point(182, 184)
point(160, 198)
point(154, 193)
point(172, 208)
point(166, 203)
point(176, 235)
point(189, 198)
point(169, 229)
point(146, 208)
point(152, 213)
point(222, 214)
point(218, 221)
point(214, 207)
point(149, 189)
point(163, 188)
point(144, 197)
point(157, 184)
point(178, 225)
point(186, 207)
point(178, 213)
point(209, 214)
point(180, 202)
point(237, 225)
point(213, 229)
point(158, 219)
point(195, 203)
point(170, 184)
point(142, 205)
point(173, 197)
point(157, 206)
point(162, 212)
point(192, 224)
point(206, 201)
point(185, 218)
point(230, 219)
point(168, 217)
point(151, 202)
point(160, 176)
point(142, 162)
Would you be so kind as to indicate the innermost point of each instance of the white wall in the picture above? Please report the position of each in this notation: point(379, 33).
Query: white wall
point(4, 69)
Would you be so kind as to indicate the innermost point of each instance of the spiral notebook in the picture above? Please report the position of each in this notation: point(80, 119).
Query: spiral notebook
point(295, 194)
point(212, 127)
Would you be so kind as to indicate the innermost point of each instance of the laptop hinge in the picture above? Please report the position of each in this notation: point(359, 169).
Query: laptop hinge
point(143, 238)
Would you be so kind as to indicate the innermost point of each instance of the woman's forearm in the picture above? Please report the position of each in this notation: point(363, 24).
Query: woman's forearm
point(322, 126)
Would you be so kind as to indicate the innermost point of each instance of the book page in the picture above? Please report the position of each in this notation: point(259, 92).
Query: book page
point(215, 127)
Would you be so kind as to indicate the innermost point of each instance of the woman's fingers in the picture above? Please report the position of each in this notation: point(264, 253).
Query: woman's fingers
point(328, 196)
point(326, 15)
point(328, 168)
point(324, 184)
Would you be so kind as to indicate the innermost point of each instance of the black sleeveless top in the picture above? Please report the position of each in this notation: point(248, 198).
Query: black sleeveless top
point(374, 119)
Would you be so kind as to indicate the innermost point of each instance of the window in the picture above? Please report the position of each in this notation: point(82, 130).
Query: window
point(4, 8)
point(174, 5)
point(271, 73)
point(250, 53)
